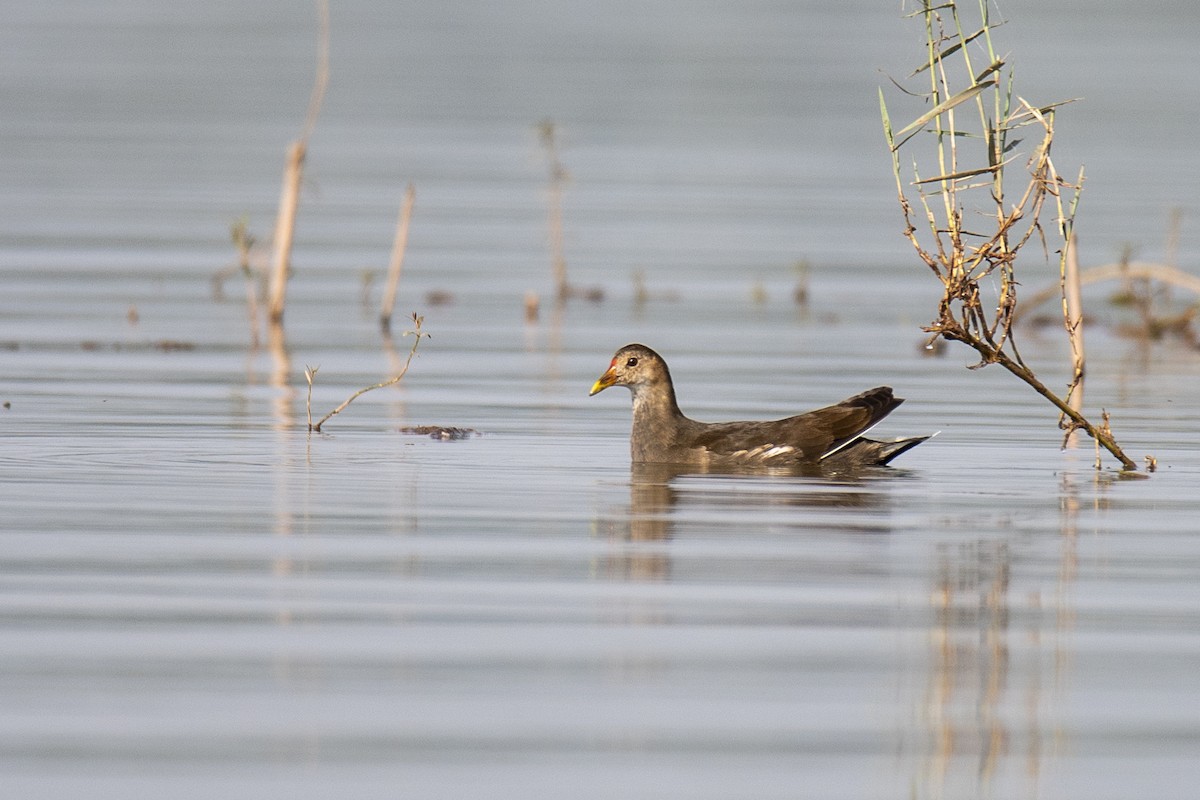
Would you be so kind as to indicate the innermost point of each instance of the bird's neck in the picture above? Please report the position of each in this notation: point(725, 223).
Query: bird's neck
point(656, 422)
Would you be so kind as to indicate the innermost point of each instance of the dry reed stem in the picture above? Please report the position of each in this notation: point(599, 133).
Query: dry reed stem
point(244, 241)
point(280, 376)
point(1124, 271)
point(556, 181)
point(1174, 225)
point(1072, 300)
point(396, 264)
point(532, 306)
point(961, 256)
point(285, 226)
point(309, 374)
point(417, 335)
point(321, 79)
point(293, 173)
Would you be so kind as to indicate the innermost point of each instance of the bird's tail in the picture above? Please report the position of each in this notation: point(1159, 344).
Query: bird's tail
point(867, 452)
point(889, 450)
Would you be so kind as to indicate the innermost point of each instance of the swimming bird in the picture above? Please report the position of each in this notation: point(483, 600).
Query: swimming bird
point(830, 437)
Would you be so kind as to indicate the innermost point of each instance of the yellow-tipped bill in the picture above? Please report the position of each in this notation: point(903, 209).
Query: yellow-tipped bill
point(606, 380)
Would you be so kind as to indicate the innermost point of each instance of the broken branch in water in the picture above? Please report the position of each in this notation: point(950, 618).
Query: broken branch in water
point(417, 335)
point(965, 140)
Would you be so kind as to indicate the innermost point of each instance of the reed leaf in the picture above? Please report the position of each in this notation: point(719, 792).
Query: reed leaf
point(887, 122)
point(967, 173)
point(949, 51)
point(941, 108)
point(996, 66)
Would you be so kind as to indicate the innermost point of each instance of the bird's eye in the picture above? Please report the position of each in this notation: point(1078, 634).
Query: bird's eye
point(632, 362)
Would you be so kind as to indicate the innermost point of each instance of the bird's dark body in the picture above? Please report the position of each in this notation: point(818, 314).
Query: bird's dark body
point(828, 437)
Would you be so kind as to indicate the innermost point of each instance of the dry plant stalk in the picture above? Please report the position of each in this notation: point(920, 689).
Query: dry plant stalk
point(556, 180)
point(310, 373)
point(244, 241)
point(1145, 287)
point(293, 173)
point(1072, 299)
point(399, 245)
point(1125, 271)
point(285, 225)
point(973, 108)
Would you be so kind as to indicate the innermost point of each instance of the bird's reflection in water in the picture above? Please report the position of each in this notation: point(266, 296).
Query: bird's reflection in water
point(666, 499)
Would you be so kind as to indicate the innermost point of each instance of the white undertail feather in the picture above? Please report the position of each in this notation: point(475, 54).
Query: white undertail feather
point(763, 451)
point(851, 440)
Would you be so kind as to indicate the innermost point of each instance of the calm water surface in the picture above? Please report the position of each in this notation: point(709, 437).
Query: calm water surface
point(200, 599)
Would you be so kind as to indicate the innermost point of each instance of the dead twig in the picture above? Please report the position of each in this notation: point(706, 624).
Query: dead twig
point(417, 335)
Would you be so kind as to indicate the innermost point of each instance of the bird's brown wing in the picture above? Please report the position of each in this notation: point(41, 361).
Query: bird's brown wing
point(812, 435)
point(858, 414)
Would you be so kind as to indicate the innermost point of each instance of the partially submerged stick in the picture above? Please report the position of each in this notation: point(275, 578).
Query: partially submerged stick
point(1072, 299)
point(310, 373)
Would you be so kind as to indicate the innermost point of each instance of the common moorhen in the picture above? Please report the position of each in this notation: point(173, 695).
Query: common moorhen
point(827, 437)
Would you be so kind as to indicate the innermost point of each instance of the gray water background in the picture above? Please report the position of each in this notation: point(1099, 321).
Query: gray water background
point(198, 599)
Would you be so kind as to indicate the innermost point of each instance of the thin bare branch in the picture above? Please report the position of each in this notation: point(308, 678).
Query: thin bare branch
point(417, 335)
